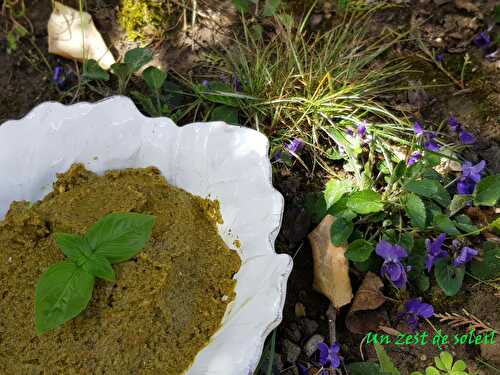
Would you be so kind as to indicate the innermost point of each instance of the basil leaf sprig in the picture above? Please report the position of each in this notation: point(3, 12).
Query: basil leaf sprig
point(65, 289)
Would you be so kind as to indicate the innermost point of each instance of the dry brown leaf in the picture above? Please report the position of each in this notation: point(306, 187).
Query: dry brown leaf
point(364, 315)
point(72, 34)
point(331, 267)
point(389, 330)
point(467, 5)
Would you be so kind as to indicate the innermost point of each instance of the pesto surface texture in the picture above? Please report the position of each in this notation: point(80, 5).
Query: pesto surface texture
point(166, 302)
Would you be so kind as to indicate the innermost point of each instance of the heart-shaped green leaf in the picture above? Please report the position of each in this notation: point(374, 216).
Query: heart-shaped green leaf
point(154, 78)
point(359, 250)
point(365, 202)
point(487, 191)
point(138, 57)
point(449, 278)
point(340, 231)
point(415, 209)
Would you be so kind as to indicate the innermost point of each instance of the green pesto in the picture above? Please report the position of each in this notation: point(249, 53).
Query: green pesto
point(166, 303)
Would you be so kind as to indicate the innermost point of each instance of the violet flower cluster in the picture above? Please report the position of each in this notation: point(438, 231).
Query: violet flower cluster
point(329, 355)
point(484, 41)
point(361, 132)
point(465, 255)
point(435, 252)
point(294, 147)
point(465, 137)
point(428, 136)
point(415, 309)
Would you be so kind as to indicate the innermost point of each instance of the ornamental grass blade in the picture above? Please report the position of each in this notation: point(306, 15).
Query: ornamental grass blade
point(331, 267)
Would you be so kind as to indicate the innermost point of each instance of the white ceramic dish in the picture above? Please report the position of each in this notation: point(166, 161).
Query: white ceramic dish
point(225, 162)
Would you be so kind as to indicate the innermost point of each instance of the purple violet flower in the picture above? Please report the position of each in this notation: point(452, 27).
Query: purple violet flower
point(465, 186)
point(435, 251)
point(362, 129)
point(431, 145)
point(454, 124)
point(205, 83)
point(415, 309)
point(392, 266)
point(237, 86)
point(295, 146)
point(277, 156)
point(440, 57)
point(418, 128)
point(329, 355)
point(349, 131)
point(466, 255)
point(467, 138)
point(414, 157)
point(482, 40)
point(58, 77)
point(473, 172)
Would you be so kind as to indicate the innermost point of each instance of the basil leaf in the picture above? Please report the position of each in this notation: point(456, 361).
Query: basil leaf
point(415, 209)
point(99, 266)
point(62, 292)
point(359, 250)
point(154, 78)
point(138, 57)
point(120, 236)
point(72, 245)
point(449, 278)
point(340, 230)
point(487, 191)
point(365, 202)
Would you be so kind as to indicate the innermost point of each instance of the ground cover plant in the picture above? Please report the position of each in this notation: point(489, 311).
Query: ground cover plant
point(408, 178)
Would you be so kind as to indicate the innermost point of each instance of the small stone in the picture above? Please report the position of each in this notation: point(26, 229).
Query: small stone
point(423, 357)
point(293, 332)
point(291, 351)
point(309, 326)
point(316, 19)
point(312, 344)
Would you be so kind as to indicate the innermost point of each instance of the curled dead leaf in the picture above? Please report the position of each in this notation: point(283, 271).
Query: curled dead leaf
point(72, 34)
point(331, 267)
point(365, 315)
